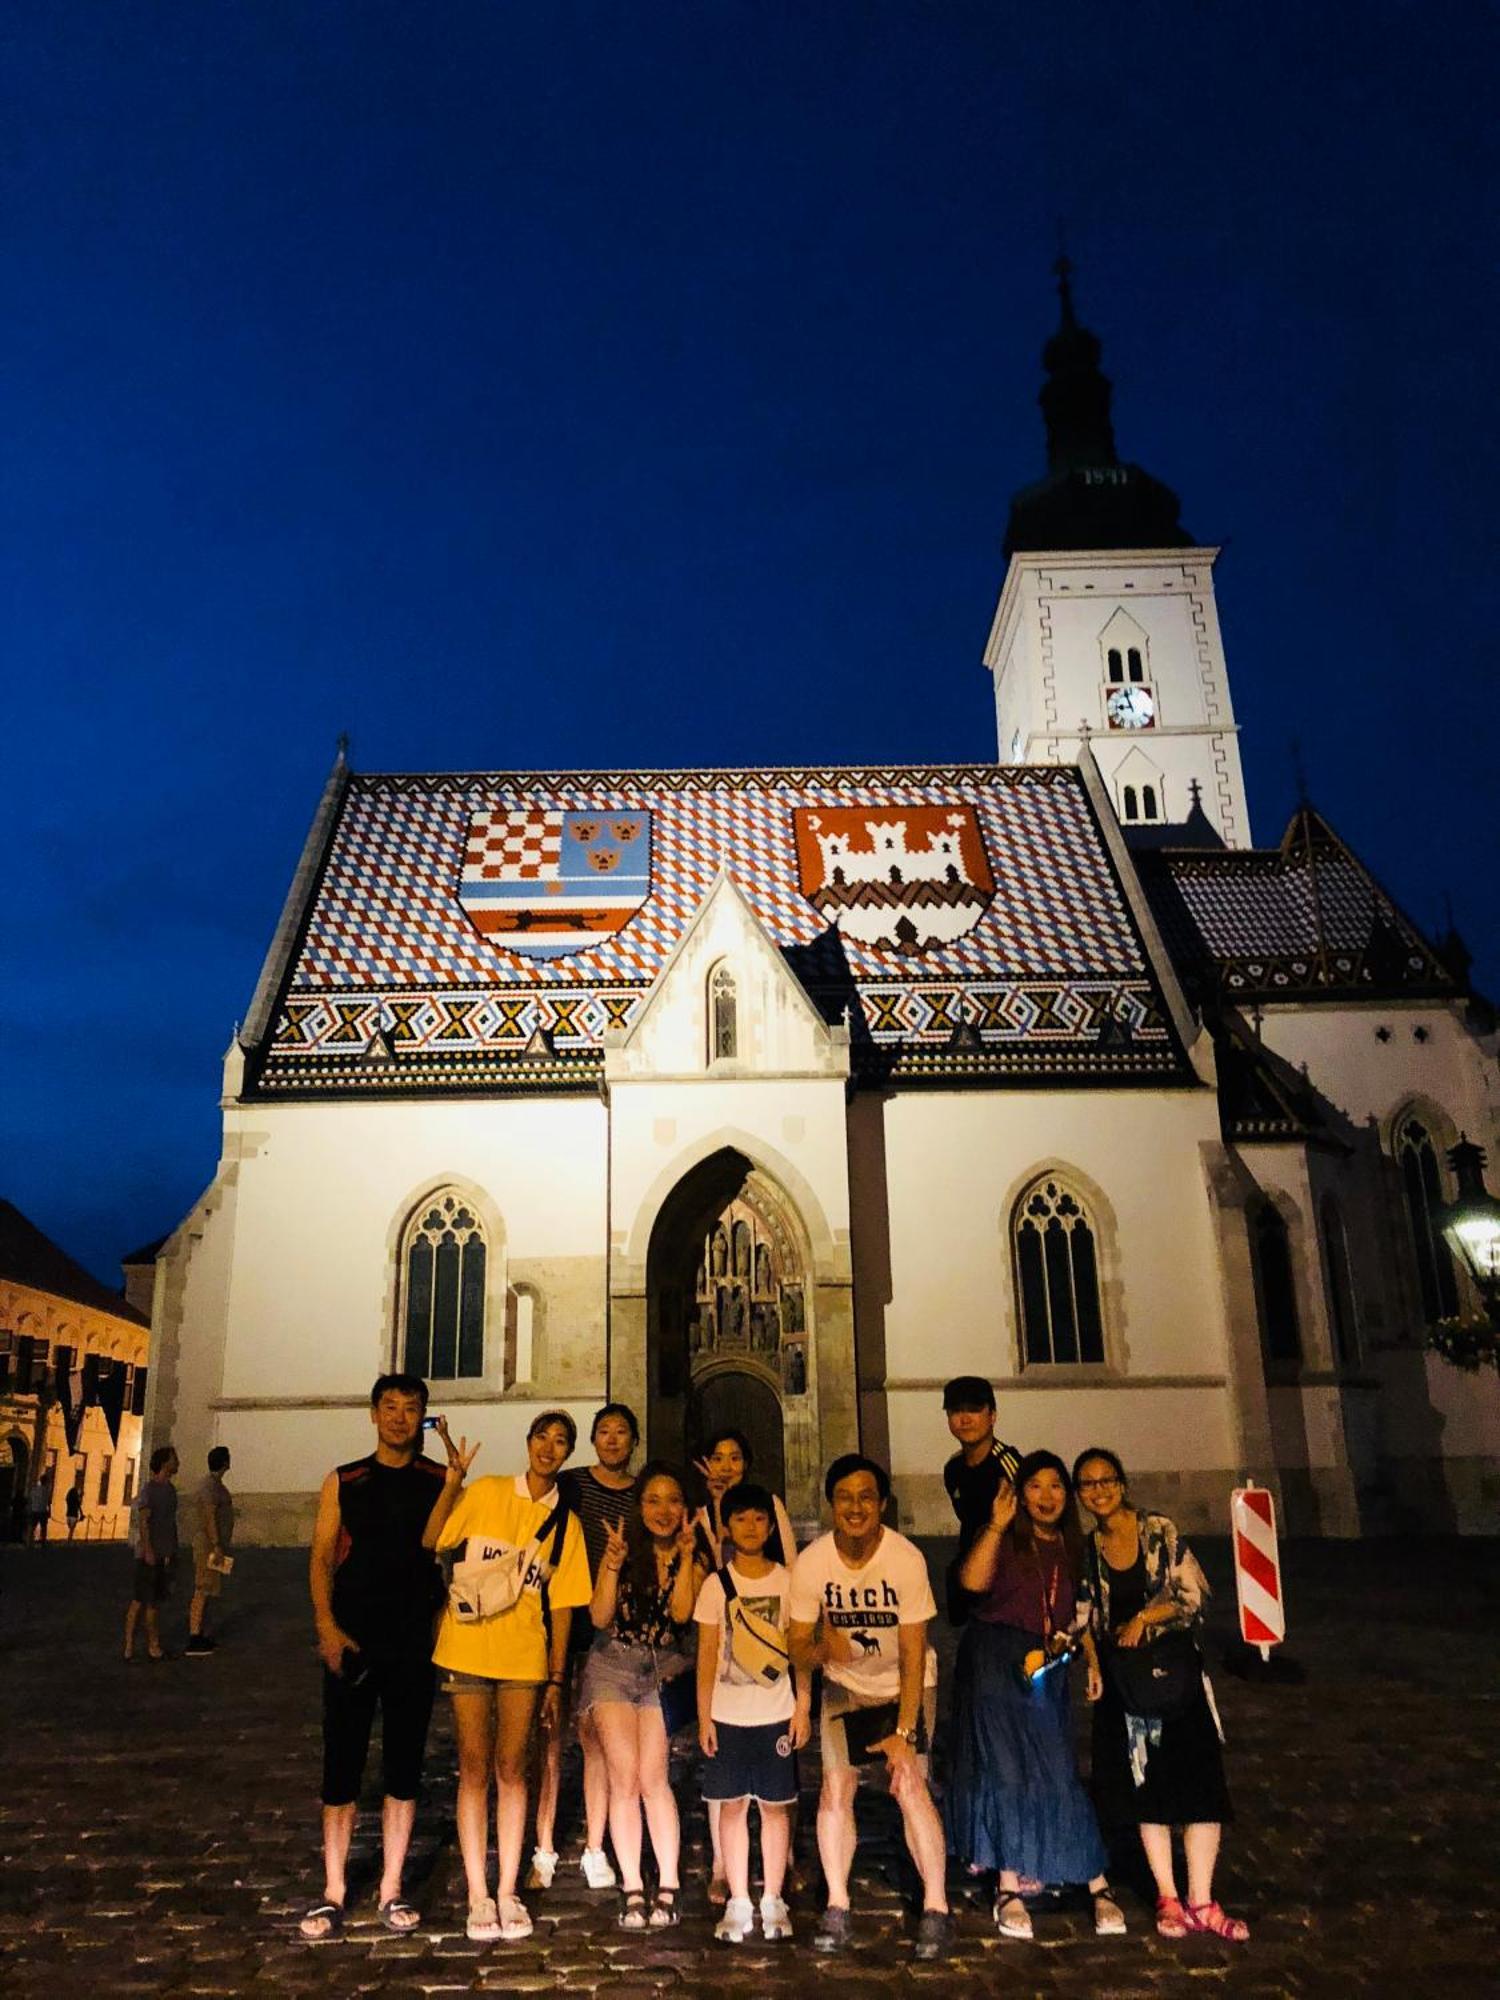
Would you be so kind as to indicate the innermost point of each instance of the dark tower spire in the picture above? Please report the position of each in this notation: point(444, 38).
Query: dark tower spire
point(1089, 499)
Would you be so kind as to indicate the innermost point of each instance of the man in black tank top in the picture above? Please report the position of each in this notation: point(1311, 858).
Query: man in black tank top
point(374, 1591)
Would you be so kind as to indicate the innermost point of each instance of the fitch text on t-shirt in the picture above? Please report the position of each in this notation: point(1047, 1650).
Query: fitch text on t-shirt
point(861, 1603)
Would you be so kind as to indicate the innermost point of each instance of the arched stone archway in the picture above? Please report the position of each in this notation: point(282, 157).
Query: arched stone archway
point(731, 1333)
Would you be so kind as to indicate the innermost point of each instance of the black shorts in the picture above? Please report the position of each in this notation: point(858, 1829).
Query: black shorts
point(153, 1581)
point(755, 1760)
point(403, 1684)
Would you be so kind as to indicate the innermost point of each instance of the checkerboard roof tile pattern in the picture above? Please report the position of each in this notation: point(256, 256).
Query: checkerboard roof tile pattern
point(387, 953)
point(387, 913)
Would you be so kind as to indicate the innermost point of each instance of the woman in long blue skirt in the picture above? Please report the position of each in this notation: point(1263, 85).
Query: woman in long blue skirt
point(1015, 1802)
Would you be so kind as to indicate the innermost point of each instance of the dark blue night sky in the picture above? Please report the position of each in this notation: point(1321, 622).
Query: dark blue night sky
point(541, 384)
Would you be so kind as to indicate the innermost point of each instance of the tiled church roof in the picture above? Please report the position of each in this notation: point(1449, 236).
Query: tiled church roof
point(1305, 919)
point(425, 954)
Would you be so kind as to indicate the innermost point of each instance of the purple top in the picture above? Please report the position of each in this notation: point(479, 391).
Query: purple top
point(1031, 1589)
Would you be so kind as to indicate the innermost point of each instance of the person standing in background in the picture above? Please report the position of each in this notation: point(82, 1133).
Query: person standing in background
point(155, 1552)
point(213, 1531)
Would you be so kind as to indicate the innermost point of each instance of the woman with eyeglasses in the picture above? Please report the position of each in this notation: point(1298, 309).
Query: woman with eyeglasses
point(1157, 1762)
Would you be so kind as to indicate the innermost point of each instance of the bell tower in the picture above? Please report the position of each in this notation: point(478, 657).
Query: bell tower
point(1107, 631)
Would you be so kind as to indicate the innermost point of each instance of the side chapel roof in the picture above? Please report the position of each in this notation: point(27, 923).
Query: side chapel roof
point(970, 921)
point(1305, 920)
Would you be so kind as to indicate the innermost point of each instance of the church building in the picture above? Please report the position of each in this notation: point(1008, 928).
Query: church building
point(776, 1097)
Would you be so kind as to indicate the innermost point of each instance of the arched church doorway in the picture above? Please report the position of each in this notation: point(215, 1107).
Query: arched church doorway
point(734, 1400)
point(729, 1339)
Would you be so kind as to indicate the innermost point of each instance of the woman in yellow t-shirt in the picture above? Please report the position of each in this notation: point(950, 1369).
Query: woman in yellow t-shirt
point(496, 1667)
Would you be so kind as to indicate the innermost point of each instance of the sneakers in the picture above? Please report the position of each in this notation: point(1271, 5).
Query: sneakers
point(198, 1644)
point(597, 1871)
point(737, 1922)
point(543, 1868)
point(775, 1922)
point(833, 1932)
point(934, 1935)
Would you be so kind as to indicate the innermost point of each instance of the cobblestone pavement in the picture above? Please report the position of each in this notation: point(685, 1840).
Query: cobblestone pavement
point(158, 1824)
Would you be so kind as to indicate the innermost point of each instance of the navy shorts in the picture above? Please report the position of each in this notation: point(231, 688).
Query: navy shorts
point(755, 1760)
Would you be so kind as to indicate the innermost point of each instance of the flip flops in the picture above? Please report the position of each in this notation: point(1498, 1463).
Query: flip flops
point(331, 1914)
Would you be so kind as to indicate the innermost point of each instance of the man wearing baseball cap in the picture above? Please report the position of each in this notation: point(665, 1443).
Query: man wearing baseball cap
point(973, 1475)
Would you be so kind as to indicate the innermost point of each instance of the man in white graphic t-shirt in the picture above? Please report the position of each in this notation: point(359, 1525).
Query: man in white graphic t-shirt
point(861, 1602)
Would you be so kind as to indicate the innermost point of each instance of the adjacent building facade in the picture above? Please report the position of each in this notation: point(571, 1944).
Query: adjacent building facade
point(777, 1097)
point(73, 1384)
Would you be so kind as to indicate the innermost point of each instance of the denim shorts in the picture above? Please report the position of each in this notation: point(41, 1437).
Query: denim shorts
point(629, 1674)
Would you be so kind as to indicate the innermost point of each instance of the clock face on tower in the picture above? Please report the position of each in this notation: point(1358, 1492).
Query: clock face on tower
point(1130, 707)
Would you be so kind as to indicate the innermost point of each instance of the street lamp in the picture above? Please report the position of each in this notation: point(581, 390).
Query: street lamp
point(1471, 1221)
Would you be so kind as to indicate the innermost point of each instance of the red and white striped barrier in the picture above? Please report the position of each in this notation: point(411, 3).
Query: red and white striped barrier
point(1257, 1568)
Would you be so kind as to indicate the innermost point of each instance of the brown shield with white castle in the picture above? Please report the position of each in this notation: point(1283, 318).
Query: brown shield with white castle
point(902, 878)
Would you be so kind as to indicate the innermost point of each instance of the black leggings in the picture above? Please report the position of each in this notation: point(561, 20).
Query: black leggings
point(403, 1683)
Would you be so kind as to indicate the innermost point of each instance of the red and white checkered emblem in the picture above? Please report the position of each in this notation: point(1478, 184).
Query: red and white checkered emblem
point(1257, 1567)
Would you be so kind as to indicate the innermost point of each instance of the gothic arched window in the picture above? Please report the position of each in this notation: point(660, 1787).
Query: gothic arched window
point(1422, 1188)
point(1148, 802)
point(1057, 1277)
point(1341, 1308)
point(723, 1017)
point(443, 1273)
point(1132, 806)
point(1276, 1288)
point(1116, 664)
point(1133, 656)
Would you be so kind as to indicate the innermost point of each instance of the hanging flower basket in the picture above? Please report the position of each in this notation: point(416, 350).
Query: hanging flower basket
point(1467, 1341)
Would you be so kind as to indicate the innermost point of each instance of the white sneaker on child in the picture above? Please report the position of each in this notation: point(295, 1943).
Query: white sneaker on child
point(737, 1922)
point(775, 1922)
point(596, 1869)
point(543, 1868)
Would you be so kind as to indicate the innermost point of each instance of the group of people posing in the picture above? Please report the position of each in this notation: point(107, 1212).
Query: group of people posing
point(607, 1600)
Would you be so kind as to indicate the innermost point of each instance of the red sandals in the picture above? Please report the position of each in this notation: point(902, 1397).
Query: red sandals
point(1171, 1918)
point(1209, 1918)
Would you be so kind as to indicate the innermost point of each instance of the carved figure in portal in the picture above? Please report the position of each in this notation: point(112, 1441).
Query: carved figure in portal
point(758, 1329)
point(762, 1269)
point(742, 1250)
point(796, 1369)
point(721, 1252)
point(732, 1323)
point(791, 1309)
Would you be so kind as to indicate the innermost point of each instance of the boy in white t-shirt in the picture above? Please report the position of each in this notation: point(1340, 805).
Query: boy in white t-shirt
point(753, 1716)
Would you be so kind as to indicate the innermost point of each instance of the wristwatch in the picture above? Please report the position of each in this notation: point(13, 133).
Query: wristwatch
point(907, 1736)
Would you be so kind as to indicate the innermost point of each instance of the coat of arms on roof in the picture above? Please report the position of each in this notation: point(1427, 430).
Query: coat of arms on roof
point(903, 878)
point(545, 883)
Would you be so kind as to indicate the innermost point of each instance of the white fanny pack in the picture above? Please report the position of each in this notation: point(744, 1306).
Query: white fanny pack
point(488, 1574)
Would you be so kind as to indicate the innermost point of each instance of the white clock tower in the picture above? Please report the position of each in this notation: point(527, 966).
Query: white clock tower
point(1107, 630)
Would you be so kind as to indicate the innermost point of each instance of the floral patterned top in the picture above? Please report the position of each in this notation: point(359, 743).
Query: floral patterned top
point(1172, 1575)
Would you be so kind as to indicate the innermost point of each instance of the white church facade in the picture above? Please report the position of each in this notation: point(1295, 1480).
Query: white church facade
point(778, 1097)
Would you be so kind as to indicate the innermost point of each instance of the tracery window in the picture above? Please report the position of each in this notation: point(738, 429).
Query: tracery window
point(1280, 1334)
point(1057, 1277)
point(1422, 1189)
point(723, 1017)
point(443, 1265)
